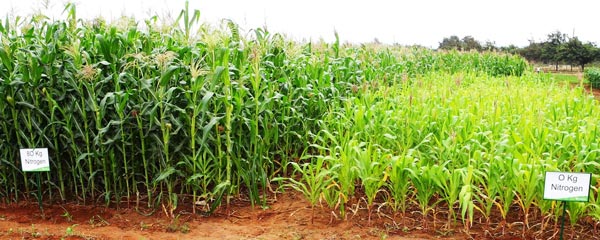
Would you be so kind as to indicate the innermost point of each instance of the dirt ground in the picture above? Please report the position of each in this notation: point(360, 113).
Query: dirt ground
point(589, 89)
point(288, 217)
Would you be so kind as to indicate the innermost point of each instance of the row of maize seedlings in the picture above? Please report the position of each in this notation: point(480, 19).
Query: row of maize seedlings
point(462, 144)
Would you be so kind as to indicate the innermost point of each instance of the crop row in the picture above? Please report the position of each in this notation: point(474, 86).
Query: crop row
point(468, 144)
point(154, 113)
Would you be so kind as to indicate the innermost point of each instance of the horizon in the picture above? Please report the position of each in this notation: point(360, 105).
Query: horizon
point(504, 23)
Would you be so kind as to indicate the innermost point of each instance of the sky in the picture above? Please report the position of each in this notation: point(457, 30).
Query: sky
point(422, 22)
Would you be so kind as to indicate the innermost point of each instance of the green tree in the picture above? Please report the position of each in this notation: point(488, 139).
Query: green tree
point(552, 48)
point(490, 46)
point(453, 42)
point(533, 52)
point(577, 53)
point(512, 49)
point(469, 43)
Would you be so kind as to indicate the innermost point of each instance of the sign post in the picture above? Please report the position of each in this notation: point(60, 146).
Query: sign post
point(36, 160)
point(567, 187)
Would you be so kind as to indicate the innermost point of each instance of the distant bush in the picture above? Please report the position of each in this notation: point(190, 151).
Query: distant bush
point(593, 75)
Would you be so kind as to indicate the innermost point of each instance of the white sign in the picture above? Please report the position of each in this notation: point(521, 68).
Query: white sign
point(567, 186)
point(35, 160)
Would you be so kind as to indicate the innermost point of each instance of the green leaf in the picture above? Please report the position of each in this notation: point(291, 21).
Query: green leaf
point(165, 174)
point(168, 75)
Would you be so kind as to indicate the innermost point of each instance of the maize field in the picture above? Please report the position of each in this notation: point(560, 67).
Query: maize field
point(162, 114)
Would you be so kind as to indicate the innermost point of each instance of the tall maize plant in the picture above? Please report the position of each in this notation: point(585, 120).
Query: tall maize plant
point(188, 113)
point(150, 116)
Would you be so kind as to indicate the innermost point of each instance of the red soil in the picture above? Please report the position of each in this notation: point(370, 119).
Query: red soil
point(288, 217)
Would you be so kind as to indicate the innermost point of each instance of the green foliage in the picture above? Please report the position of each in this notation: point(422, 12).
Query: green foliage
point(451, 43)
point(551, 50)
point(559, 48)
point(467, 43)
point(533, 52)
point(463, 142)
point(593, 76)
point(578, 53)
point(169, 114)
point(565, 78)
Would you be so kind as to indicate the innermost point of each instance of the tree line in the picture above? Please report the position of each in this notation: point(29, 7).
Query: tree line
point(556, 49)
